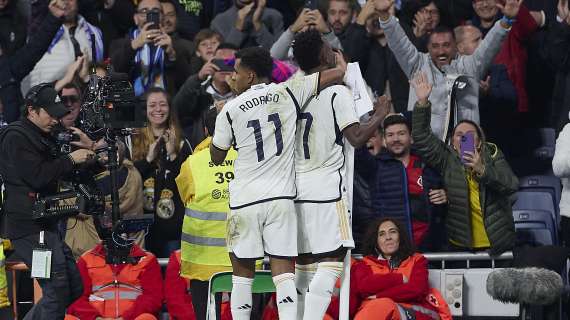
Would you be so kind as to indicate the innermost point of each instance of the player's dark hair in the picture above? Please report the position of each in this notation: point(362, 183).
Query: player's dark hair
point(307, 48)
point(257, 60)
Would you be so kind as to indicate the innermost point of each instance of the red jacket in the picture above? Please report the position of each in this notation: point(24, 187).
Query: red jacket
point(176, 293)
point(373, 277)
point(149, 301)
point(513, 54)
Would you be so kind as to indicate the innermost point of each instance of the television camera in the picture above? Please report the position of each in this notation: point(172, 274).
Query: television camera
point(110, 111)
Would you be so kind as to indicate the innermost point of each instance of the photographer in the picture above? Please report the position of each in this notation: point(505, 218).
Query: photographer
point(149, 55)
point(31, 167)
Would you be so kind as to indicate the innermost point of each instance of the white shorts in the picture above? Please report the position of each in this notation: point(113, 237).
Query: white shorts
point(268, 227)
point(323, 227)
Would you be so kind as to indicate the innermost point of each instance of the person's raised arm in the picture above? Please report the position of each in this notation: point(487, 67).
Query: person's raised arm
point(406, 54)
point(358, 134)
point(432, 150)
point(477, 63)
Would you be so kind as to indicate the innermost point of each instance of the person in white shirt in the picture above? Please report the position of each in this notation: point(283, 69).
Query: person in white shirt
point(260, 124)
point(324, 232)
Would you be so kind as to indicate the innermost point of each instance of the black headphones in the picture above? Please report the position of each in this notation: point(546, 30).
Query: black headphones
point(32, 95)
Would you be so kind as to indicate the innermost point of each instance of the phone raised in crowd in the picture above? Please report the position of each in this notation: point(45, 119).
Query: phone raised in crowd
point(311, 4)
point(154, 17)
point(467, 144)
point(220, 63)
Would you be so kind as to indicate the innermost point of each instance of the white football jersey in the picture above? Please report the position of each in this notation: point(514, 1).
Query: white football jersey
point(319, 155)
point(260, 124)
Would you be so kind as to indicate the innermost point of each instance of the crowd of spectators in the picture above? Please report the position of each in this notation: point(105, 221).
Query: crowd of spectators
point(497, 69)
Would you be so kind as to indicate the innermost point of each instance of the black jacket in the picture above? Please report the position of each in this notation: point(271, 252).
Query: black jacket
point(29, 165)
point(558, 49)
point(14, 68)
point(12, 29)
point(164, 230)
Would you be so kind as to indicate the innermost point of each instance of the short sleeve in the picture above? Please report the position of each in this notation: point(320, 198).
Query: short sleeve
point(223, 133)
point(344, 108)
point(303, 87)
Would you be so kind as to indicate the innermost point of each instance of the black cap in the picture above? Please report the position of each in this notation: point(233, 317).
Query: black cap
point(46, 97)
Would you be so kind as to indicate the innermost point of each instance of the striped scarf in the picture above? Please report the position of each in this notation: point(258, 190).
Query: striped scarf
point(151, 71)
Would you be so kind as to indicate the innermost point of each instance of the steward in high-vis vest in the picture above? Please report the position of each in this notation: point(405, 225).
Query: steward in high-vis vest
point(203, 188)
point(128, 290)
point(4, 301)
point(177, 295)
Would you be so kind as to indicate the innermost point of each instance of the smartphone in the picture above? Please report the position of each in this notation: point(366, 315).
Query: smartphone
point(467, 144)
point(154, 17)
point(311, 4)
point(222, 65)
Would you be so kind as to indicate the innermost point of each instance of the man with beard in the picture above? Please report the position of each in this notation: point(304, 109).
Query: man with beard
point(406, 189)
point(442, 64)
point(75, 38)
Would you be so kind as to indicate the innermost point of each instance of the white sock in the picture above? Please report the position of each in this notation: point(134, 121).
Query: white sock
point(304, 273)
point(241, 299)
point(286, 296)
point(321, 288)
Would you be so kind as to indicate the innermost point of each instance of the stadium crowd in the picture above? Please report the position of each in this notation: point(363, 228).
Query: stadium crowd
point(464, 93)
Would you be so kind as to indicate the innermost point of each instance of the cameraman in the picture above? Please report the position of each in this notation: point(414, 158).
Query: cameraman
point(31, 166)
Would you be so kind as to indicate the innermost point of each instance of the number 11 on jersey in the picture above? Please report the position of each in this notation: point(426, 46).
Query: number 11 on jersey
point(256, 125)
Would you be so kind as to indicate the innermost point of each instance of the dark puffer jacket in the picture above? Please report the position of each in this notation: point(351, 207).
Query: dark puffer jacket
point(496, 186)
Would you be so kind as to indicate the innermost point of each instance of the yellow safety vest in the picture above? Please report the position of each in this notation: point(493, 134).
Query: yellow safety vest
point(203, 249)
point(4, 302)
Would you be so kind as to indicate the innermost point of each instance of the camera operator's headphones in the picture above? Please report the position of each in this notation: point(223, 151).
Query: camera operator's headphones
point(32, 95)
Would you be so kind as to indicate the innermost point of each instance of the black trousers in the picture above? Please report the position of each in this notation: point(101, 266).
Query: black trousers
point(63, 287)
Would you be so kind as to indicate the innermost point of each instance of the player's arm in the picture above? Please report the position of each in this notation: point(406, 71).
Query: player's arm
point(357, 134)
point(223, 137)
point(218, 155)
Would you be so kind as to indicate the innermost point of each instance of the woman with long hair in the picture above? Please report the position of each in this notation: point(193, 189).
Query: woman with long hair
point(158, 151)
point(391, 282)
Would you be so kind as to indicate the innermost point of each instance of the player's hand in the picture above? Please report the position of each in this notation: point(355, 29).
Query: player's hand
point(242, 13)
point(57, 8)
point(474, 162)
point(207, 69)
point(382, 107)
point(316, 19)
point(437, 196)
point(82, 155)
point(340, 62)
point(510, 9)
point(257, 23)
point(146, 35)
point(422, 87)
point(301, 22)
point(367, 11)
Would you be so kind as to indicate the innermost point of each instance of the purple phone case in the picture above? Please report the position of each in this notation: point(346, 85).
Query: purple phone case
point(467, 144)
